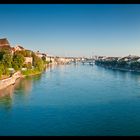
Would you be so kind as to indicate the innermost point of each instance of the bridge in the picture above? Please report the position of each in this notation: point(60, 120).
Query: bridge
point(74, 60)
point(89, 61)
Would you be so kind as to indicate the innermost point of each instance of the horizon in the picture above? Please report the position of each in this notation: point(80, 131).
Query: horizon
point(73, 29)
point(66, 56)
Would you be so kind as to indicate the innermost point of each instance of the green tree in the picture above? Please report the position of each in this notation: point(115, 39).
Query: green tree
point(44, 59)
point(7, 60)
point(28, 53)
point(1, 55)
point(3, 52)
point(28, 66)
point(18, 61)
point(25, 53)
point(122, 64)
point(1, 69)
point(47, 62)
point(135, 65)
point(38, 63)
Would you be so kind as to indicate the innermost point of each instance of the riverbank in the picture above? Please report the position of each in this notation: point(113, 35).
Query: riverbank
point(4, 77)
point(30, 73)
point(12, 79)
point(33, 72)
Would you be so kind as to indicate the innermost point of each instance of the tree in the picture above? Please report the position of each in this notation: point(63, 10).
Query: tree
point(3, 52)
point(44, 59)
point(25, 53)
point(47, 62)
point(135, 65)
point(121, 64)
point(28, 53)
point(38, 63)
point(7, 60)
point(18, 61)
point(1, 55)
point(28, 65)
point(1, 69)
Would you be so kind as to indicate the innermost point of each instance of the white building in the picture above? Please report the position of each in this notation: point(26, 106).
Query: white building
point(28, 60)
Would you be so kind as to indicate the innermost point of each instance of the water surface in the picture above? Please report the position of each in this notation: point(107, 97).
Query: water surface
point(72, 100)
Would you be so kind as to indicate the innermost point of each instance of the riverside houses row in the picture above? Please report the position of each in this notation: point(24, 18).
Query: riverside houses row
point(127, 63)
point(129, 59)
point(4, 44)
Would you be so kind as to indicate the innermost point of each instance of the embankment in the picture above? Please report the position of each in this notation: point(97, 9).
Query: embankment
point(9, 81)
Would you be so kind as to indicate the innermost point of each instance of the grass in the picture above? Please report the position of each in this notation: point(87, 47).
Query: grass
point(30, 72)
point(4, 77)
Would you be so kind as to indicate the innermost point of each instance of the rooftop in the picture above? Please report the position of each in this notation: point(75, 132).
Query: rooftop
point(4, 41)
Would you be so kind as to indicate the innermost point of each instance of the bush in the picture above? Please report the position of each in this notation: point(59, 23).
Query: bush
point(31, 72)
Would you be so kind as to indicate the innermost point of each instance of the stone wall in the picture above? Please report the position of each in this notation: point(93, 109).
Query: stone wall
point(9, 81)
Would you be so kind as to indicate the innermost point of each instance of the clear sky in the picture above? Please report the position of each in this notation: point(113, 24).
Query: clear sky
point(73, 29)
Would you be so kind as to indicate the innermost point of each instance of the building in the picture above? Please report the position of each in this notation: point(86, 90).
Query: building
point(63, 60)
point(18, 48)
point(4, 44)
point(40, 55)
point(129, 58)
point(28, 60)
point(138, 60)
point(50, 58)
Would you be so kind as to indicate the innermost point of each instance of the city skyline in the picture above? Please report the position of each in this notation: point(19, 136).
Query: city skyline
point(73, 29)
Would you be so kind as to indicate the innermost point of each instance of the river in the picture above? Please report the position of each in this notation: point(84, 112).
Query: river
point(72, 100)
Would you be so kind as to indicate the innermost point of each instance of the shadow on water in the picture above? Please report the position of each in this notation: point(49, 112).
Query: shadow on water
point(120, 73)
point(22, 88)
point(6, 97)
point(127, 74)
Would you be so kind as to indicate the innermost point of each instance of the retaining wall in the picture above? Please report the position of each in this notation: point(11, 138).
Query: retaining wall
point(9, 81)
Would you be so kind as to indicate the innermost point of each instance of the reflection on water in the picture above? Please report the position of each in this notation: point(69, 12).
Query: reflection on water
point(6, 97)
point(23, 86)
point(72, 100)
point(121, 74)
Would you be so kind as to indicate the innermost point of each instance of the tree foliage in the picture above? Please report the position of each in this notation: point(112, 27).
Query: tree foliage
point(132, 65)
point(38, 63)
point(25, 53)
point(7, 60)
point(18, 61)
point(1, 69)
point(27, 65)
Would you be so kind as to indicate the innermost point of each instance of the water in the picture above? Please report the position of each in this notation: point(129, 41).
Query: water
point(72, 100)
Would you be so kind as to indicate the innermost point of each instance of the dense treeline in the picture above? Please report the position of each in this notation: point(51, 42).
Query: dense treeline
point(120, 64)
point(17, 61)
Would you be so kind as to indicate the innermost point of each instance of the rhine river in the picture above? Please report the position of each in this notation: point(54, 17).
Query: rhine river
point(72, 100)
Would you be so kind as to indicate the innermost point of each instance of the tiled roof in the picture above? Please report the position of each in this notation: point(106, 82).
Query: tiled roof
point(4, 41)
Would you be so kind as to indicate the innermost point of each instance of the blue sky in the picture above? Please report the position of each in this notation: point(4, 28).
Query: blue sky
point(73, 29)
